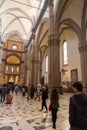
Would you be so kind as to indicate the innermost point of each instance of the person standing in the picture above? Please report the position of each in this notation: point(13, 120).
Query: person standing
point(38, 92)
point(29, 92)
point(47, 91)
point(3, 93)
point(54, 101)
point(32, 90)
point(17, 89)
point(23, 91)
point(44, 97)
point(78, 108)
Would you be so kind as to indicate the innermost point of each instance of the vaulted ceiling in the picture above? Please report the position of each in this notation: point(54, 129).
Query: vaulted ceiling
point(18, 17)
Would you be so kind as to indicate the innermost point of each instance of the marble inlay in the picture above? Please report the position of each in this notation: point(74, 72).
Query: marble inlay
point(6, 128)
point(22, 114)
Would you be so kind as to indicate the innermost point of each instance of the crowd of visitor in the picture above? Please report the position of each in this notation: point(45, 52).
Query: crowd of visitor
point(77, 103)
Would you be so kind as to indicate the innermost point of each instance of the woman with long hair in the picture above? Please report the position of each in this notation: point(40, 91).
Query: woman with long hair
point(54, 100)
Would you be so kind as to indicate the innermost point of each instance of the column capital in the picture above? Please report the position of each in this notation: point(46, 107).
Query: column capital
point(82, 47)
point(54, 36)
point(53, 40)
point(34, 60)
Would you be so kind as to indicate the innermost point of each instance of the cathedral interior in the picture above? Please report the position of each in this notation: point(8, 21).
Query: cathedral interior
point(42, 41)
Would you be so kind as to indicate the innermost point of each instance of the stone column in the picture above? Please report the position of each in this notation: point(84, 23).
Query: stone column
point(24, 68)
point(1, 70)
point(53, 52)
point(28, 72)
point(54, 63)
point(83, 57)
point(83, 45)
point(34, 72)
point(40, 66)
point(1, 51)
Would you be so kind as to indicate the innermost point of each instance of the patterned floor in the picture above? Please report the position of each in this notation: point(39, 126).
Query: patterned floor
point(25, 115)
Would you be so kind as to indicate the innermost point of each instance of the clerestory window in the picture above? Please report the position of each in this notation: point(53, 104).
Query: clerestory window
point(65, 56)
point(46, 63)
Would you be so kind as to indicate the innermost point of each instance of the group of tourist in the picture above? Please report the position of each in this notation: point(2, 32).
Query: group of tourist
point(38, 91)
point(77, 107)
point(4, 91)
point(77, 103)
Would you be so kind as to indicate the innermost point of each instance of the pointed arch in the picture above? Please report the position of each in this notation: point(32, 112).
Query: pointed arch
point(72, 24)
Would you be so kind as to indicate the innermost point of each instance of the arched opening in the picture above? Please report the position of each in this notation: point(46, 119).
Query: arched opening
point(12, 69)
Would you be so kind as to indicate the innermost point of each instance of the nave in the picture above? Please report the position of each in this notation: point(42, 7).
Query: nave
point(25, 115)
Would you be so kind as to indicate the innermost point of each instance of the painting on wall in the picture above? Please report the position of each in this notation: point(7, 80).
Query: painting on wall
point(74, 75)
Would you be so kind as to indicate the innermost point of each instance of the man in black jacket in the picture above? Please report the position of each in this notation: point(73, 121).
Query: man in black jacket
point(44, 97)
point(78, 108)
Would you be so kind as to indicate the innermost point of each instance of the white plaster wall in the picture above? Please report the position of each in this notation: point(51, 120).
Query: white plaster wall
point(73, 11)
point(73, 54)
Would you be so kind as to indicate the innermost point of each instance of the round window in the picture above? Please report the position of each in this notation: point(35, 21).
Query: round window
point(14, 47)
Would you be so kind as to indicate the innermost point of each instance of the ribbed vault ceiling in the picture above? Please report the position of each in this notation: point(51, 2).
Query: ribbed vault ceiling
point(18, 17)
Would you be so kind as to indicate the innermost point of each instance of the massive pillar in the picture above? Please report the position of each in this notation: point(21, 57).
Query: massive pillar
point(1, 52)
point(53, 52)
point(34, 72)
point(54, 63)
point(83, 45)
point(83, 56)
point(28, 71)
point(23, 76)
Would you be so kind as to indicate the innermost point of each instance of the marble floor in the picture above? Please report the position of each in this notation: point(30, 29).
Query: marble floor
point(22, 114)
